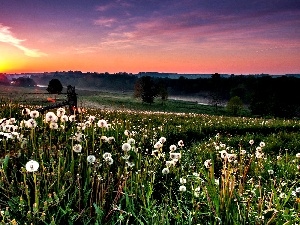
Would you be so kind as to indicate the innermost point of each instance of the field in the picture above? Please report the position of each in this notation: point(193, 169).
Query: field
point(171, 163)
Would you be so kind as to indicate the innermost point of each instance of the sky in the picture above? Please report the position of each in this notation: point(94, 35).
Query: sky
point(179, 36)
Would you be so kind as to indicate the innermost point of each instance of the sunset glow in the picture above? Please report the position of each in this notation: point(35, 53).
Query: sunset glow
point(166, 36)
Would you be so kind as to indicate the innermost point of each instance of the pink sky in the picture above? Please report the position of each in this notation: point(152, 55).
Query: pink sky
point(188, 36)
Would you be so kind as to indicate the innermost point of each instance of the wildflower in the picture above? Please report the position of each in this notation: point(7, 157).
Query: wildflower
point(158, 145)
point(259, 155)
point(64, 118)
point(129, 164)
point(182, 188)
point(155, 153)
point(109, 160)
point(180, 143)
point(25, 111)
point(32, 166)
point(53, 125)
point(165, 171)
point(262, 144)
point(106, 155)
point(34, 114)
point(243, 152)
point(77, 148)
point(102, 124)
point(79, 136)
point(258, 149)
point(31, 123)
point(131, 141)
point(60, 112)
point(223, 154)
point(271, 172)
point(207, 163)
point(91, 158)
point(111, 140)
point(170, 163)
point(231, 157)
point(162, 140)
point(104, 138)
point(127, 132)
point(174, 155)
point(91, 119)
point(298, 190)
point(72, 118)
point(51, 117)
point(251, 142)
point(182, 180)
point(298, 155)
point(173, 148)
point(126, 147)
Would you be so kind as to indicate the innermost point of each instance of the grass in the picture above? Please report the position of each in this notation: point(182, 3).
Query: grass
point(140, 167)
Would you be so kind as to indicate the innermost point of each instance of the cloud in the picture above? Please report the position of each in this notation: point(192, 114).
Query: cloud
point(7, 37)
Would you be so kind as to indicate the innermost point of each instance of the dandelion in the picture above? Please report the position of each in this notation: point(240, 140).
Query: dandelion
point(298, 190)
point(259, 155)
point(60, 112)
point(102, 124)
point(180, 143)
point(26, 112)
point(251, 142)
point(32, 166)
point(271, 172)
point(131, 141)
point(223, 154)
point(298, 155)
point(31, 123)
point(91, 158)
point(34, 114)
point(262, 144)
point(243, 152)
point(91, 119)
point(51, 117)
point(53, 125)
point(130, 164)
point(158, 145)
point(162, 140)
point(231, 157)
point(173, 148)
point(109, 160)
point(127, 132)
point(72, 118)
point(111, 140)
point(182, 188)
point(104, 138)
point(106, 155)
point(258, 149)
point(126, 147)
point(64, 118)
point(182, 180)
point(207, 163)
point(282, 195)
point(165, 171)
point(170, 163)
point(174, 155)
point(77, 148)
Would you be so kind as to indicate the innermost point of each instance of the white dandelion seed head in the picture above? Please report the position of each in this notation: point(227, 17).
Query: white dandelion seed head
point(180, 143)
point(126, 147)
point(77, 148)
point(207, 163)
point(162, 140)
point(91, 158)
point(182, 188)
point(173, 148)
point(165, 171)
point(102, 124)
point(32, 166)
point(106, 155)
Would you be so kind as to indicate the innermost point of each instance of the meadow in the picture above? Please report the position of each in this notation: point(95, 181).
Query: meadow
point(112, 165)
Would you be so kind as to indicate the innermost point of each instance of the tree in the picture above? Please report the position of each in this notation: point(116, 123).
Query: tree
point(54, 87)
point(145, 89)
point(234, 106)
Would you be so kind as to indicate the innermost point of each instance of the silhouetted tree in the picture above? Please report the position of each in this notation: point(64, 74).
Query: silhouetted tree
point(54, 87)
point(145, 89)
point(24, 82)
point(234, 106)
point(216, 90)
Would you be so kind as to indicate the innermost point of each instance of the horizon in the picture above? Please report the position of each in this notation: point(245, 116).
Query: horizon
point(190, 37)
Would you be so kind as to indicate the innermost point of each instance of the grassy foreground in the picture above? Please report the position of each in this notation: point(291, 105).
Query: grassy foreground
point(130, 167)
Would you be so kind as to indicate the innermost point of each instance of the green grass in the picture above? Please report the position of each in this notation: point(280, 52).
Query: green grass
point(254, 184)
